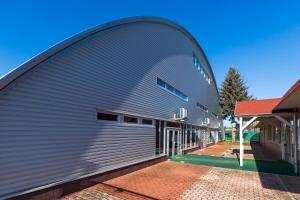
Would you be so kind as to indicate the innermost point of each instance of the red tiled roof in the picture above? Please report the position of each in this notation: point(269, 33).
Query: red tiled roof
point(255, 107)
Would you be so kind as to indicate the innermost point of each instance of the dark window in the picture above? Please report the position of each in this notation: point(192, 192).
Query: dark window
point(173, 124)
point(107, 116)
point(202, 107)
point(161, 83)
point(188, 138)
point(157, 131)
point(129, 119)
point(161, 140)
point(178, 93)
point(202, 71)
point(147, 121)
point(211, 138)
point(193, 137)
point(214, 114)
point(159, 137)
point(170, 88)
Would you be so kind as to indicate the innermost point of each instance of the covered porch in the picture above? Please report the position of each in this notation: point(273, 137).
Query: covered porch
point(278, 121)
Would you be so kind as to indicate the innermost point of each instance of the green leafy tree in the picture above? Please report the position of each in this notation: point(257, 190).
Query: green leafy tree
point(233, 89)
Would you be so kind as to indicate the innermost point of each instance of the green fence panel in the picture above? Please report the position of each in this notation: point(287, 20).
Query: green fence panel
point(248, 136)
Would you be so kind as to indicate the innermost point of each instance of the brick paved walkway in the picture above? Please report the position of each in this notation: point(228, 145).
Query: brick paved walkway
point(166, 180)
point(234, 184)
point(91, 194)
point(230, 150)
point(214, 150)
point(170, 180)
point(174, 180)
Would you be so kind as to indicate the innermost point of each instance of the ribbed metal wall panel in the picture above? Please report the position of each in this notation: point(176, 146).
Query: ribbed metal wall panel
point(48, 127)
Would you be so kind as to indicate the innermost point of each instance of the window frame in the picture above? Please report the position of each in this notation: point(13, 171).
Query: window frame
point(107, 113)
point(202, 107)
point(215, 115)
point(201, 69)
point(130, 116)
point(171, 89)
point(142, 121)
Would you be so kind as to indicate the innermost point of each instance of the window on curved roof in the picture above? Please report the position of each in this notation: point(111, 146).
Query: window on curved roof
point(171, 89)
point(161, 83)
point(200, 68)
point(184, 97)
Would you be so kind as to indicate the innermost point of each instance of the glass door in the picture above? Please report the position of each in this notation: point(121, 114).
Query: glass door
point(173, 142)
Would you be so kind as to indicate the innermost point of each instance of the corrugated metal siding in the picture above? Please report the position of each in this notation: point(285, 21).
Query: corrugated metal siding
point(48, 126)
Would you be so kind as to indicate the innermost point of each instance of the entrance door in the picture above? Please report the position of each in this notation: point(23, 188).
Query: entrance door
point(173, 142)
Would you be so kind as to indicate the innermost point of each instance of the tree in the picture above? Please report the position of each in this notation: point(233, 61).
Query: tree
point(233, 89)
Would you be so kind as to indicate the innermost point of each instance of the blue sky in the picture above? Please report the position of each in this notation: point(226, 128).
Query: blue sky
point(260, 38)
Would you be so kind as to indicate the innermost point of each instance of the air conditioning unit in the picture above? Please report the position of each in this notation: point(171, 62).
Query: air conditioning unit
point(181, 114)
point(207, 120)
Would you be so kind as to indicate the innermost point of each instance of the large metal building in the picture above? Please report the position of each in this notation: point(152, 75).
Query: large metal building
point(121, 93)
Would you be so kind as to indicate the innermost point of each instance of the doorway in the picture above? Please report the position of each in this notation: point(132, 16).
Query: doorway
point(173, 143)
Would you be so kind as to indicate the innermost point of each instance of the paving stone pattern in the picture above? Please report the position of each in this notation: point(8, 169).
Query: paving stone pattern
point(241, 185)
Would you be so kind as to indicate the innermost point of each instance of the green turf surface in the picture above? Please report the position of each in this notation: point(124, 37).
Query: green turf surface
point(275, 167)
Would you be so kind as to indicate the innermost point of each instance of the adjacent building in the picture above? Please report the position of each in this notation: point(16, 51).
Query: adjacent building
point(278, 121)
point(121, 93)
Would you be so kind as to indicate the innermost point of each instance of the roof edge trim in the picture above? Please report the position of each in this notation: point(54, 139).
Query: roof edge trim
point(287, 94)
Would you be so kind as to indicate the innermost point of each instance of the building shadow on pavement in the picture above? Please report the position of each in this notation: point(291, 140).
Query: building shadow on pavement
point(273, 173)
point(122, 192)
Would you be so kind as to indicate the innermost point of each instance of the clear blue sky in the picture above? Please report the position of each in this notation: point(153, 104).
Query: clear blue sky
point(260, 38)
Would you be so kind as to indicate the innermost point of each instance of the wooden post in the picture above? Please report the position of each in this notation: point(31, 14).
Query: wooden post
point(295, 136)
point(282, 140)
point(241, 142)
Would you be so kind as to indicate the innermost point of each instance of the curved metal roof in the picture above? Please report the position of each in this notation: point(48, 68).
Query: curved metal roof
point(27, 66)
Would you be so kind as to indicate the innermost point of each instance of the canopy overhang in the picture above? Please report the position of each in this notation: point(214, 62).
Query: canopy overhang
point(290, 102)
point(284, 109)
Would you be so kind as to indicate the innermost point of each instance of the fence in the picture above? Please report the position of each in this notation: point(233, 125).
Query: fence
point(248, 136)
